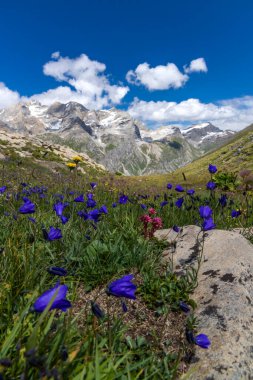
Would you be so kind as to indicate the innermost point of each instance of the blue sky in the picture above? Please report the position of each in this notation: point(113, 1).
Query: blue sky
point(100, 41)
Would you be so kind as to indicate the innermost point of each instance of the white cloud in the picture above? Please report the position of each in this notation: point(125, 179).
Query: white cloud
point(196, 65)
point(88, 83)
point(157, 78)
point(55, 55)
point(7, 96)
point(229, 114)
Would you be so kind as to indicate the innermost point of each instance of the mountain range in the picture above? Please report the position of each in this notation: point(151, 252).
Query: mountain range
point(112, 137)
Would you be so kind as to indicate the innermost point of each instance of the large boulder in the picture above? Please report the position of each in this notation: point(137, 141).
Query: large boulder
point(224, 297)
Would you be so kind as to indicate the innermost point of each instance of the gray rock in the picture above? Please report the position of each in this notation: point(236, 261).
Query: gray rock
point(224, 297)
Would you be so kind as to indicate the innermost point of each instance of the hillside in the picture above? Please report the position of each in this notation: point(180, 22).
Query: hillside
point(37, 157)
point(231, 157)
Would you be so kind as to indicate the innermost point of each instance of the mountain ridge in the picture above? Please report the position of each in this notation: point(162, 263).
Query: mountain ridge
point(112, 137)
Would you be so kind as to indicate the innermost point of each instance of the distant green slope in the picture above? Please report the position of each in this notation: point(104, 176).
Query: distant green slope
point(232, 157)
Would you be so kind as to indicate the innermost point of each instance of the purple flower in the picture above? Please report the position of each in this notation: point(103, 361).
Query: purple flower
point(59, 208)
point(176, 228)
point(164, 203)
point(57, 271)
point(223, 200)
point(96, 310)
point(212, 169)
point(64, 219)
point(184, 307)
point(53, 234)
point(179, 188)
point(208, 224)
point(58, 292)
point(92, 215)
point(80, 198)
point(91, 203)
point(202, 340)
point(32, 219)
point(103, 209)
point(179, 202)
point(205, 212)
point(143, 206)
point(28, 207)
point(123, 199)
point(235, 213)
point(122, 287)
point(114, 205)
point(2, 189)
point(210, 185)
point(190, 192)
point(124, 306)
point(169, 186)
point(93, 185)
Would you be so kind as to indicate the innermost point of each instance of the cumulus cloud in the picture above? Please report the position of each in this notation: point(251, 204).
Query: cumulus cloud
point(196, 65)
point(86, 82)
point(229, 114)
point(157, 78)
point(7, 96)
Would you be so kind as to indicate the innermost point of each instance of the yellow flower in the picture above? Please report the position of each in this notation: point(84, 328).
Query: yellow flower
point(71, 165)
point(76, 159)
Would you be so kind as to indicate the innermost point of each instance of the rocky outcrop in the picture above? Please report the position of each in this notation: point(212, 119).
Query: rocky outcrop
point(41, 151)
point(224, 297)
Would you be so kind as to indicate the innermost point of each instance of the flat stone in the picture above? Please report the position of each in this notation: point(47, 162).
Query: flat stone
point(224, 297)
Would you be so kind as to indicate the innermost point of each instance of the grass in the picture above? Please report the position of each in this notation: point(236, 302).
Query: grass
point(146, 342)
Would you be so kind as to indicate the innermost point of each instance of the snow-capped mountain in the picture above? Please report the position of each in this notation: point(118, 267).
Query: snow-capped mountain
point(110, 137)
point(206, 136)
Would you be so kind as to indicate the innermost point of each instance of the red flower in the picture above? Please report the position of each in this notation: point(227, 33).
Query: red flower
point(157, 223)
point(151, 211)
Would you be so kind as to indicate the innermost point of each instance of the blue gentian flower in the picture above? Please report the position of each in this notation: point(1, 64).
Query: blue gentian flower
point(59, 208)
point(212, 169)
point(176, 228)
point(96, 310)
point(179, 202)
point(190, 192)
point(223, 200)
point(59, 302)
point(208, 224)
point(202, 340)
point(103, 209)
point(184, 307)
point(235, 213)
point(93, 185)
point(32, 219)
point(169, 186)
point(122, 287)
point(53, 234)
point(143, 206)
point(57, 271)
point(114, 205)
point(210, 185)
point(64, 219)
point(92, 215)
point(28, 207)
point(164, 203)
point(123, 199)
point(179, 188)
point(124, 306)
point(205, 212)
point(2, 189)
point(80, 198)
point(91, 203)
